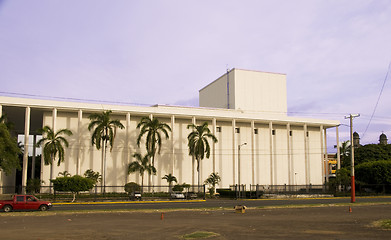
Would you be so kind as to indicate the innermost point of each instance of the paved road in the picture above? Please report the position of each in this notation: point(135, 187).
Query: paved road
point(211, 203)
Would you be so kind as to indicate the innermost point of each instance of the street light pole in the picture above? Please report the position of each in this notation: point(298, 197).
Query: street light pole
point(239, 146)
point(353, 187)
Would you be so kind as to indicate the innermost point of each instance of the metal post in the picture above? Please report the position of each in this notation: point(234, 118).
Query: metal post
point(239, 165)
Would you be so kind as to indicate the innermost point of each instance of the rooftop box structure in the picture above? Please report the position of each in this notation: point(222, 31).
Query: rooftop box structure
point(247, 90)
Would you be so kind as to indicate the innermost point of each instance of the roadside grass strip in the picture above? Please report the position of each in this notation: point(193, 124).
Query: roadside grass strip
point(384, 224)
point(127, 202)
point(199, 235)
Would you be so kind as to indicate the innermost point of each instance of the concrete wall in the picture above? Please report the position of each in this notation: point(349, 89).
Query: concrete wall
point(271, 162)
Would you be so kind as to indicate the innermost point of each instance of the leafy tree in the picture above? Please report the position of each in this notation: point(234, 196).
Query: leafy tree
point(376, 172)
point(8, 124)
point(74, 184)
point(53, 144)
point(95, 176)
point(170, 179)
point(9, 151)
point(372, 152)
point(153, 129)
point(141, 165)
point(213, 180)
point(342, 179)
point(198, 143)
point(104, 132)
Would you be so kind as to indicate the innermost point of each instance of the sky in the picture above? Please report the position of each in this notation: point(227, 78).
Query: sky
point(336, 53)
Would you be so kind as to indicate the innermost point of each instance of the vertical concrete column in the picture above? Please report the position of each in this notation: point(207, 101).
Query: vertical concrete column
point(54, 127)
point(26, 148)
point(214, 144)
point(233, 152)
point(252, 152)
point(127, 148)
point(324, 163)
point(338, 150)
point(326, 155)
point(79, 135)
point(289, 158)
point(33, 157)
point(1, 172)
point(306, 154)
point(271, 152)
point(173, 144)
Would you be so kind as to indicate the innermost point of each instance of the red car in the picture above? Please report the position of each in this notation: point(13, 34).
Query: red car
point(24, 202)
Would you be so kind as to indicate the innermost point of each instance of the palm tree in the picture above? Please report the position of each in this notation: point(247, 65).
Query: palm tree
point(53, 145)
point(213, 180)
point(170, 179)
point(104, 133)
point(345, 150)
point(198, 143)
point(141, 165)
point(152, 127)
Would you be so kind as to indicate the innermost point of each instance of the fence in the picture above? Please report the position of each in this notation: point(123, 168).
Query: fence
point(107, 193)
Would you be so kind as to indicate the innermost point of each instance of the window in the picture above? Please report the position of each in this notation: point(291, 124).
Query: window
point(256, 131)
point(273, 132)
point(308, 134)
point(237, 130)
point(290, 133)
point(20, 198)
point(218, 129)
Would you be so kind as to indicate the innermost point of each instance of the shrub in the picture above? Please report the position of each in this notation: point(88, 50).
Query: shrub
point(178, 188)
point(131, 187)
point(33, 185)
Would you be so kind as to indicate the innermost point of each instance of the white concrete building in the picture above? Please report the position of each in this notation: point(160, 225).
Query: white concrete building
point(243, 108)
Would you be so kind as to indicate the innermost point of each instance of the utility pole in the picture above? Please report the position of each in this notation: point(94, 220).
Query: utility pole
point(353, 187)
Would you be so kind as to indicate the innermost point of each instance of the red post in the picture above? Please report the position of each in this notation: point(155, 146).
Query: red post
point(353, 191)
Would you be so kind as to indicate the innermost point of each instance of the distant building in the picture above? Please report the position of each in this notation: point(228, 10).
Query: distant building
point(356, 139)
point(383, 139)
point(243, 108)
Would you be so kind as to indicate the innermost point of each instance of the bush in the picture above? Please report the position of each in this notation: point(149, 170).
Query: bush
point(131, 187)
point(227, 193)
point(178, 188)
point(33, 185)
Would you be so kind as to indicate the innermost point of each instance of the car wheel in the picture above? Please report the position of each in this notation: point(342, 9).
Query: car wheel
point(7, 208)
point(43, 208)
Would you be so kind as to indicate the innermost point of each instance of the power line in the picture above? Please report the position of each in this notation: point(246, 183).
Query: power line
point(378, 99)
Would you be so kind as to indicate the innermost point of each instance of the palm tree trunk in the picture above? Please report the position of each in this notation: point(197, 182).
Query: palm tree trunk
point(199, 174)
point(102, 168)
point(142, 183)
point(51, 174)
point(104, 176)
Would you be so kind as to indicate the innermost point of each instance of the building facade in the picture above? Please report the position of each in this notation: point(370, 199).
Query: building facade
point(257, 143)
